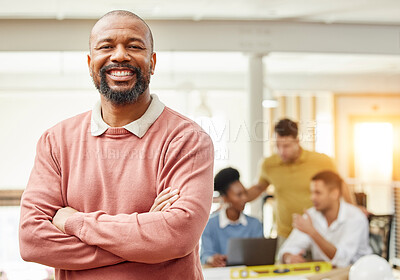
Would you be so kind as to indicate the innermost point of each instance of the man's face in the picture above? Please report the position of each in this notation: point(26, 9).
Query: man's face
point(121, 59)
point(288, 148)
point(236, 196)
point(322, 196)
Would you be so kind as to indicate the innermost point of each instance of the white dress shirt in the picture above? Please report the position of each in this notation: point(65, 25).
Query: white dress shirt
point(349, 233)
point(138, 127)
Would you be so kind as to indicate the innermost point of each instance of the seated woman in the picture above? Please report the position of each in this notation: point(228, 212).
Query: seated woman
point(229, 222)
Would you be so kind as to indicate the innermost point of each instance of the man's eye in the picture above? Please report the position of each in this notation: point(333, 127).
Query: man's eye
point(135, 47)
point(105, 47)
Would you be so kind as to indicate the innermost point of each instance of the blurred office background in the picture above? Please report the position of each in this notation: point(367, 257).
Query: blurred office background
point(235, 67)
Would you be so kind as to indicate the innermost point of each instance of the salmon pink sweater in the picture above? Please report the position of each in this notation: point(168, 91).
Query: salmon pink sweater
point(112, 180)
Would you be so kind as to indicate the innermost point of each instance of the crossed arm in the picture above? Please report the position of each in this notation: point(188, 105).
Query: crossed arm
point(68, 247)
point(89, 240)
point(162, 202)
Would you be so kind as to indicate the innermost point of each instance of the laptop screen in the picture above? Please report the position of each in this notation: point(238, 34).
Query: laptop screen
point(251, 251)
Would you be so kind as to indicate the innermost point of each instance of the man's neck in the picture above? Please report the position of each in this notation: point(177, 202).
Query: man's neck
point(332, 213)
point(120, 115)
point(297, 156)
point(299, 151)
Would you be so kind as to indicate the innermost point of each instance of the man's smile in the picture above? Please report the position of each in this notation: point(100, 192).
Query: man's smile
point(120, 74)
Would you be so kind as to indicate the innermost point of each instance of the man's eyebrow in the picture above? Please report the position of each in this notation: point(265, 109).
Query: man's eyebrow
point(107, 40)
point(136, 40)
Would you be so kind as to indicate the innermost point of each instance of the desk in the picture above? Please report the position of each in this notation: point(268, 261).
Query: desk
point(223, 273)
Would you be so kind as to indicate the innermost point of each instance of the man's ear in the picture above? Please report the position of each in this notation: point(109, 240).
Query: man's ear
point(153, 60)
point(89, 59)
point(335, 194)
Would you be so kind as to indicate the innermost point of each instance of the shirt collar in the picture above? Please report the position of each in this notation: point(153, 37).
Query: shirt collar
point(224, 221)
point(340, 218)
point(138, 127)
point(302, 157)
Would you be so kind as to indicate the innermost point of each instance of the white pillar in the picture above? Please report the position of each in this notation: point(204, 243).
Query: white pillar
point(256, 123)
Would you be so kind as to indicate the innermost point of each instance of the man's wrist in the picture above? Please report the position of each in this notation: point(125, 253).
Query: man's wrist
point(313, 233)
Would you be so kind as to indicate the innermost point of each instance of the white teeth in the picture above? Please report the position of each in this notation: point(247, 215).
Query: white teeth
point(121, 73)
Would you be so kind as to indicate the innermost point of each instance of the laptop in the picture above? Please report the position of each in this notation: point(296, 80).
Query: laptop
point(251, 251)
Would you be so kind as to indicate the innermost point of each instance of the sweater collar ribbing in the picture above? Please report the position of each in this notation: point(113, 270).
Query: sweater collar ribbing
point(138, 127)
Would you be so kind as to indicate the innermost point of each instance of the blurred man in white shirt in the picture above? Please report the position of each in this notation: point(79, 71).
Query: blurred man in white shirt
point(334, 230)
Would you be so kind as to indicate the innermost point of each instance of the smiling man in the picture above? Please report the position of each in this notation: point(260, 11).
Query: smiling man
point(98, 201)
point(114, 45)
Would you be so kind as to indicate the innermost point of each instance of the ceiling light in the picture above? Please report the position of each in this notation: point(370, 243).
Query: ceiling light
point(270, 103)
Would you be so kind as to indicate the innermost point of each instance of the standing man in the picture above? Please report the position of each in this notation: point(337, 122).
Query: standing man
point(87, 210)
point(333, 229)
point(290, 171)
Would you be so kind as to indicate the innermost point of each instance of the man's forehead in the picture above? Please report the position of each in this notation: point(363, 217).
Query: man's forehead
point(317, 184)
point(284, 139)
point(114, 24)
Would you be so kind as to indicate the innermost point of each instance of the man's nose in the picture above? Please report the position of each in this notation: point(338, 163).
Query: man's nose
point(120, 54)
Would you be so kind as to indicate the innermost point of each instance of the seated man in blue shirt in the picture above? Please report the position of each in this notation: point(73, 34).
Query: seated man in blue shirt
point(334, 230)
point(229, 222)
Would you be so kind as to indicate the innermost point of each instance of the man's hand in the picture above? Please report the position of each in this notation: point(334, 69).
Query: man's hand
point(164, 200)
point(161, 203)
point(303, 223)
point(217, 260)
point(291, 258)
point(61, 217)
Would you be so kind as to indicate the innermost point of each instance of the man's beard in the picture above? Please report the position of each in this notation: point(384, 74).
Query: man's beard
point(125, 96)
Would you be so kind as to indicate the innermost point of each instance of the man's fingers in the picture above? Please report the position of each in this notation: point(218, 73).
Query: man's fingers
point(159, 207)
point(174, 198)
point(171, 197)
point(166, 190)
point(165, 195)
point(168, 204)
point(163, 198)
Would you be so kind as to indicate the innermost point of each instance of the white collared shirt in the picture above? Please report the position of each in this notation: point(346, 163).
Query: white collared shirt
point(224, 221)
point(138, 127)
point(349, 233)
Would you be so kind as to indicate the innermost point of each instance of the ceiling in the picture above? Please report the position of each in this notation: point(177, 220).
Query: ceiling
point(370, 12)
point(327, 11)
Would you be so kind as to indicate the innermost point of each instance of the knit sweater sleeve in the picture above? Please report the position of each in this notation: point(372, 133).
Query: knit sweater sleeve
point(40, 241)
point(159, 236)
